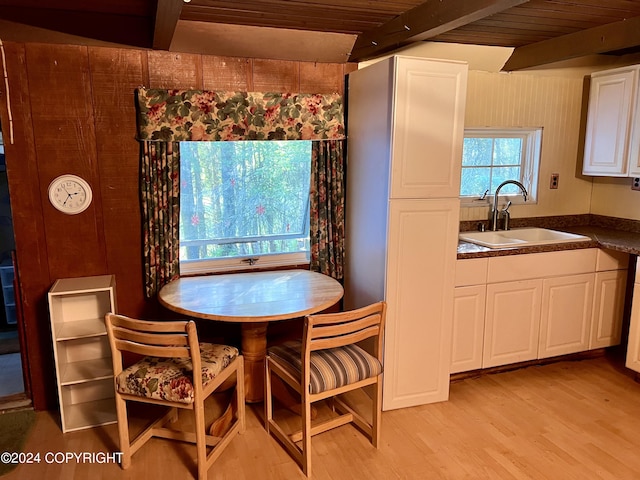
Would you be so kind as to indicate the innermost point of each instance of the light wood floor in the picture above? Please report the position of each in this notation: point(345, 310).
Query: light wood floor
point(569, 420)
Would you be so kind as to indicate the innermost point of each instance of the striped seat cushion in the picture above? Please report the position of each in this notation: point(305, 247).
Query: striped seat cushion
point(331, 368)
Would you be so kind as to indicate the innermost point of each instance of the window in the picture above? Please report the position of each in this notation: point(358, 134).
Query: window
point(490, 156)
point(243, 202)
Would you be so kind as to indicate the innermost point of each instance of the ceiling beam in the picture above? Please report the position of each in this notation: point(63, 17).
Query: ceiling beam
point(167, 16)
point(424, 21)
point(606, 38)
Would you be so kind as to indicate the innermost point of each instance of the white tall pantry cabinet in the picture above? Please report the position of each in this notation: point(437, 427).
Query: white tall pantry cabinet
point(405, 132)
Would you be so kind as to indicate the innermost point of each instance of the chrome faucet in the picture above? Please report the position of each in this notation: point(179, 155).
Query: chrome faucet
point(494, 223)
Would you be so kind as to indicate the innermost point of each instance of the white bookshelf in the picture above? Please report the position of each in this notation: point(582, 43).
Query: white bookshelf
point(84, 371)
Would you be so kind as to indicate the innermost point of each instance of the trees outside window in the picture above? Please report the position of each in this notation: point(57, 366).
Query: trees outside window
point(243, 199)
point(492, 155)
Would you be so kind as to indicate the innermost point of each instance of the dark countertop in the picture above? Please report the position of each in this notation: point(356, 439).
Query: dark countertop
point(602, 237)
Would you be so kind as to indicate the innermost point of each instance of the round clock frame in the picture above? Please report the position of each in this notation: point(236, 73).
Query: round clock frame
point(70, 194)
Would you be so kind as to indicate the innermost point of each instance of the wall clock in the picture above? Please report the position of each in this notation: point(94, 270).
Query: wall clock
point(70, 194)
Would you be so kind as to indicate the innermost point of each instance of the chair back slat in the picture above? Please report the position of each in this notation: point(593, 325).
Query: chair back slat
point(342, 340)
point(153, 350)
point(148, 326)
point(160, 339)
point(324, 330)
point(342, 317)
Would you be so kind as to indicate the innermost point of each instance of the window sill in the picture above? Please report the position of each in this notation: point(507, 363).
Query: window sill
point(515, 199)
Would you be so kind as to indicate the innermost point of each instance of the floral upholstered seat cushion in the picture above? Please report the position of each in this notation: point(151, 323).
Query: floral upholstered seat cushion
point(171, 379)
point(330, 368)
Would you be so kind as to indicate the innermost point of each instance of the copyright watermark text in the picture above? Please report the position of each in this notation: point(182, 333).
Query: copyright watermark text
point(60, 457)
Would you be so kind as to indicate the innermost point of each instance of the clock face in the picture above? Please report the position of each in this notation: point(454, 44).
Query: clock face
point(70, 194)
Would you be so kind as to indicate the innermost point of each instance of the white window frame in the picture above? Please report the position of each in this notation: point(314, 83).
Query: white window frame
point(530, 164)
point(197, 267)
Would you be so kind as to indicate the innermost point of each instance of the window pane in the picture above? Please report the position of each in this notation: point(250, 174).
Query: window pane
point(243, 198)
point(475, 181)
point(515, 155)
point(507, 151)
point(500, 174)
point(477, 152)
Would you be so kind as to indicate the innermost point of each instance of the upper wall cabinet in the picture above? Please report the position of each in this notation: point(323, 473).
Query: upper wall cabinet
point(428, 116)
point(612, 139)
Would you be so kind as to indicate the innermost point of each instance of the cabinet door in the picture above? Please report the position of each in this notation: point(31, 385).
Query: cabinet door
point(419, 294)
point(565, 323)
point(633, 349)
point(608, 308)
point(512, 322)
point(468, 328)
point(608, 123)
point(428, 128)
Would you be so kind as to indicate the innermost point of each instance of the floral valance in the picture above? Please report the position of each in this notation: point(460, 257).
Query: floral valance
point(183, 115)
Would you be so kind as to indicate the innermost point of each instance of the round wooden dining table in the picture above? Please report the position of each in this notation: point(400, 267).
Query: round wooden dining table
point(252, 300)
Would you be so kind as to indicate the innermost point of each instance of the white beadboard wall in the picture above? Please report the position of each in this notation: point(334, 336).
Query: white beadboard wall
point(613, 197)
point(530, 100)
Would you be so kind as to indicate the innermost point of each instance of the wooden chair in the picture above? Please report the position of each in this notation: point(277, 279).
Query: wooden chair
point(324, 365)
point(164, 376)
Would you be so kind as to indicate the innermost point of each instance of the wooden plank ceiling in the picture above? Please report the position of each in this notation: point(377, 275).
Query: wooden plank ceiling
point(540, 31)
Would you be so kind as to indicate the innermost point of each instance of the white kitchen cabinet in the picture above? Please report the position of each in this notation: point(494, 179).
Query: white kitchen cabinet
point(419, 303)
point(609, 298)
point(84, 371)
point(512, 322)
point(608, 308)
point(612, 137)
point(468, 328)
point(405, 130)
point(427, 118)
point(565, 322)
point(470, 295)
point(633, 348)
point(515, 318)
point(537, 305)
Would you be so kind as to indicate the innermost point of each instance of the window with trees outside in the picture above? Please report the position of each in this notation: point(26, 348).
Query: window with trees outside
point(243, 203)
point(490, 156)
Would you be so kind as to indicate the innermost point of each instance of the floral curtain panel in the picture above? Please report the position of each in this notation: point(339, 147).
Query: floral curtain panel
point(160, 197)
point(327, 208)
point(167, 117)
point(192, 115)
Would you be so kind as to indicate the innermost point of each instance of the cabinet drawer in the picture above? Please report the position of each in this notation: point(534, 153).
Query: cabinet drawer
point(472, 271)
point(540, 265)
point(611, 260)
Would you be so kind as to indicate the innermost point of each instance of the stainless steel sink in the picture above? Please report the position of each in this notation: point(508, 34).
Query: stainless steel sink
point(521, 237)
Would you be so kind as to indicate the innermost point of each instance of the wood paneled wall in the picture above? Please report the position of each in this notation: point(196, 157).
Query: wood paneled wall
point(70, 109)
